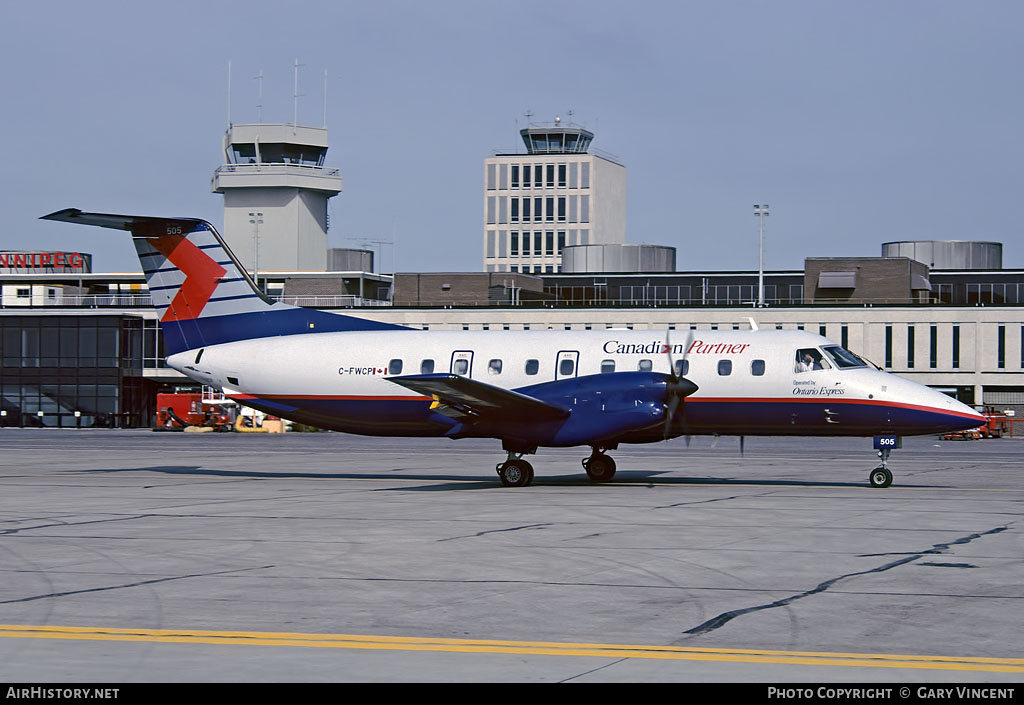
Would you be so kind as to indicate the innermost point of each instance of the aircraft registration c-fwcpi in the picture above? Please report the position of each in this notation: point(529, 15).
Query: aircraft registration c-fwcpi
point(526, 388)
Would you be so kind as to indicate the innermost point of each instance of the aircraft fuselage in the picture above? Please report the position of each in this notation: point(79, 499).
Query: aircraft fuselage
point(748, 382)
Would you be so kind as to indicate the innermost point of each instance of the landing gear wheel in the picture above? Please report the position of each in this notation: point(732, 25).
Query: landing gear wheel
point(515, 473)
point(880, 477)
point(600, 468)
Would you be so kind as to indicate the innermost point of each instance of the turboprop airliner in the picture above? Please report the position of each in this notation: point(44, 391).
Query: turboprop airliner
point(528, 389)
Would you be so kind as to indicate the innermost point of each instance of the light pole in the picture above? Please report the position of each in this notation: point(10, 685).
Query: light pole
point(760, 211)
point(256, 219)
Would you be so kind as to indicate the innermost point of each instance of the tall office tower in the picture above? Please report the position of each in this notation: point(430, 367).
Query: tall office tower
point(556, 194)
point(276, 188)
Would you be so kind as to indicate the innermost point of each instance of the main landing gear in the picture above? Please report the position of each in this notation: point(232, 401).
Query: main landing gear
point(599, 467)
point(515, 472)
point(881, 477)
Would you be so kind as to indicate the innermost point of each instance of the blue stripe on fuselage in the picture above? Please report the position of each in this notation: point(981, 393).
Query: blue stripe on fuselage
point(213, 330)
point(413, 417)
point(825, 417)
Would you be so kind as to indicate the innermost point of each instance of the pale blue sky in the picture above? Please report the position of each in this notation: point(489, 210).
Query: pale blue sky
point(859, 122)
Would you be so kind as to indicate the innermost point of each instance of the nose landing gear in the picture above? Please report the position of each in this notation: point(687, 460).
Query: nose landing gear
point(881, 476)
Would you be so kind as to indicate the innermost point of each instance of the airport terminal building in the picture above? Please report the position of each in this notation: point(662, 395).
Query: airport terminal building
point(83, 349)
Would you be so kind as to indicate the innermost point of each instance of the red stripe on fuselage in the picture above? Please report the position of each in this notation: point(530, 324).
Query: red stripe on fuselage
point(690, 400)
point(327, 397)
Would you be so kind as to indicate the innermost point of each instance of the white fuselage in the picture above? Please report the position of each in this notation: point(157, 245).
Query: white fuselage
point(747, 381)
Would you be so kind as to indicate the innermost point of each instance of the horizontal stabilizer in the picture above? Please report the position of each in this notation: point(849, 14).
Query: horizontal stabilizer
point(110, 220)
point(201, 292)
point(480, 399)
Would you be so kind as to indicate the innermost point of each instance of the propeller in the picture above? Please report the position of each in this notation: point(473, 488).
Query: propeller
point(677, 387)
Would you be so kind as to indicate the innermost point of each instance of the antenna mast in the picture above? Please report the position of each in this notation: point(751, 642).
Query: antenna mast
point(259, 105)
point(295, 97)
point(229, 92)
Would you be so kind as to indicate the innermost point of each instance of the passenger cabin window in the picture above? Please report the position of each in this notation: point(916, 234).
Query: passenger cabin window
point(565, 368)
point(725, 368)
point(494, 367)
point(395, 367)
point(460, 367)
point(757, 368)
point(427, 367)
point(645, 366)
point(607, 367)
point(681, 367)
point(808, 359)
point(532, 367)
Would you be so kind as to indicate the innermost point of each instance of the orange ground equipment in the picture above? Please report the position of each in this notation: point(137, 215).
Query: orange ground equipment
point(178, 411)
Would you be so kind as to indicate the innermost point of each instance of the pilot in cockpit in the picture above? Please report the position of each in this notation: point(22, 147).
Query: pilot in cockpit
point(807, 360)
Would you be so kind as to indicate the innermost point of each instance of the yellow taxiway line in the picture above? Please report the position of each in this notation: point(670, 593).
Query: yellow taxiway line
point(488, 646)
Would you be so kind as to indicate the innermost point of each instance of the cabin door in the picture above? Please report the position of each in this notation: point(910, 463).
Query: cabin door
point(567, 363)
point(462, 363)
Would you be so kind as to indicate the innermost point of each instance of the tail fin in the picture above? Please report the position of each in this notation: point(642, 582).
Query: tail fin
point(203, 295)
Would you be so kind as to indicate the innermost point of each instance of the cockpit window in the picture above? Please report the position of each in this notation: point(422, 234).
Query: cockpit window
point(843, 357)
point(808, 359)
point(868, 363)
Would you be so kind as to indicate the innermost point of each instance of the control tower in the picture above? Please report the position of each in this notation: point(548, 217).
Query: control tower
point(557, 194)
point(276, 188)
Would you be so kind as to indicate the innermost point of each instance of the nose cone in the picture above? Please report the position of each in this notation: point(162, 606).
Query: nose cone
point(954, 415)
point(970, 415)
point(914, 409)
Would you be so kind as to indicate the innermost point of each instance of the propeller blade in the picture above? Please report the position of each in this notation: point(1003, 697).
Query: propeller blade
point(671, 364)
point(741, 445)
point(670, 412)
point(677, 388)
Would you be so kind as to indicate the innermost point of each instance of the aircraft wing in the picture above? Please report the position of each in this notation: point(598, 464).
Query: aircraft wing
point(458, 396)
